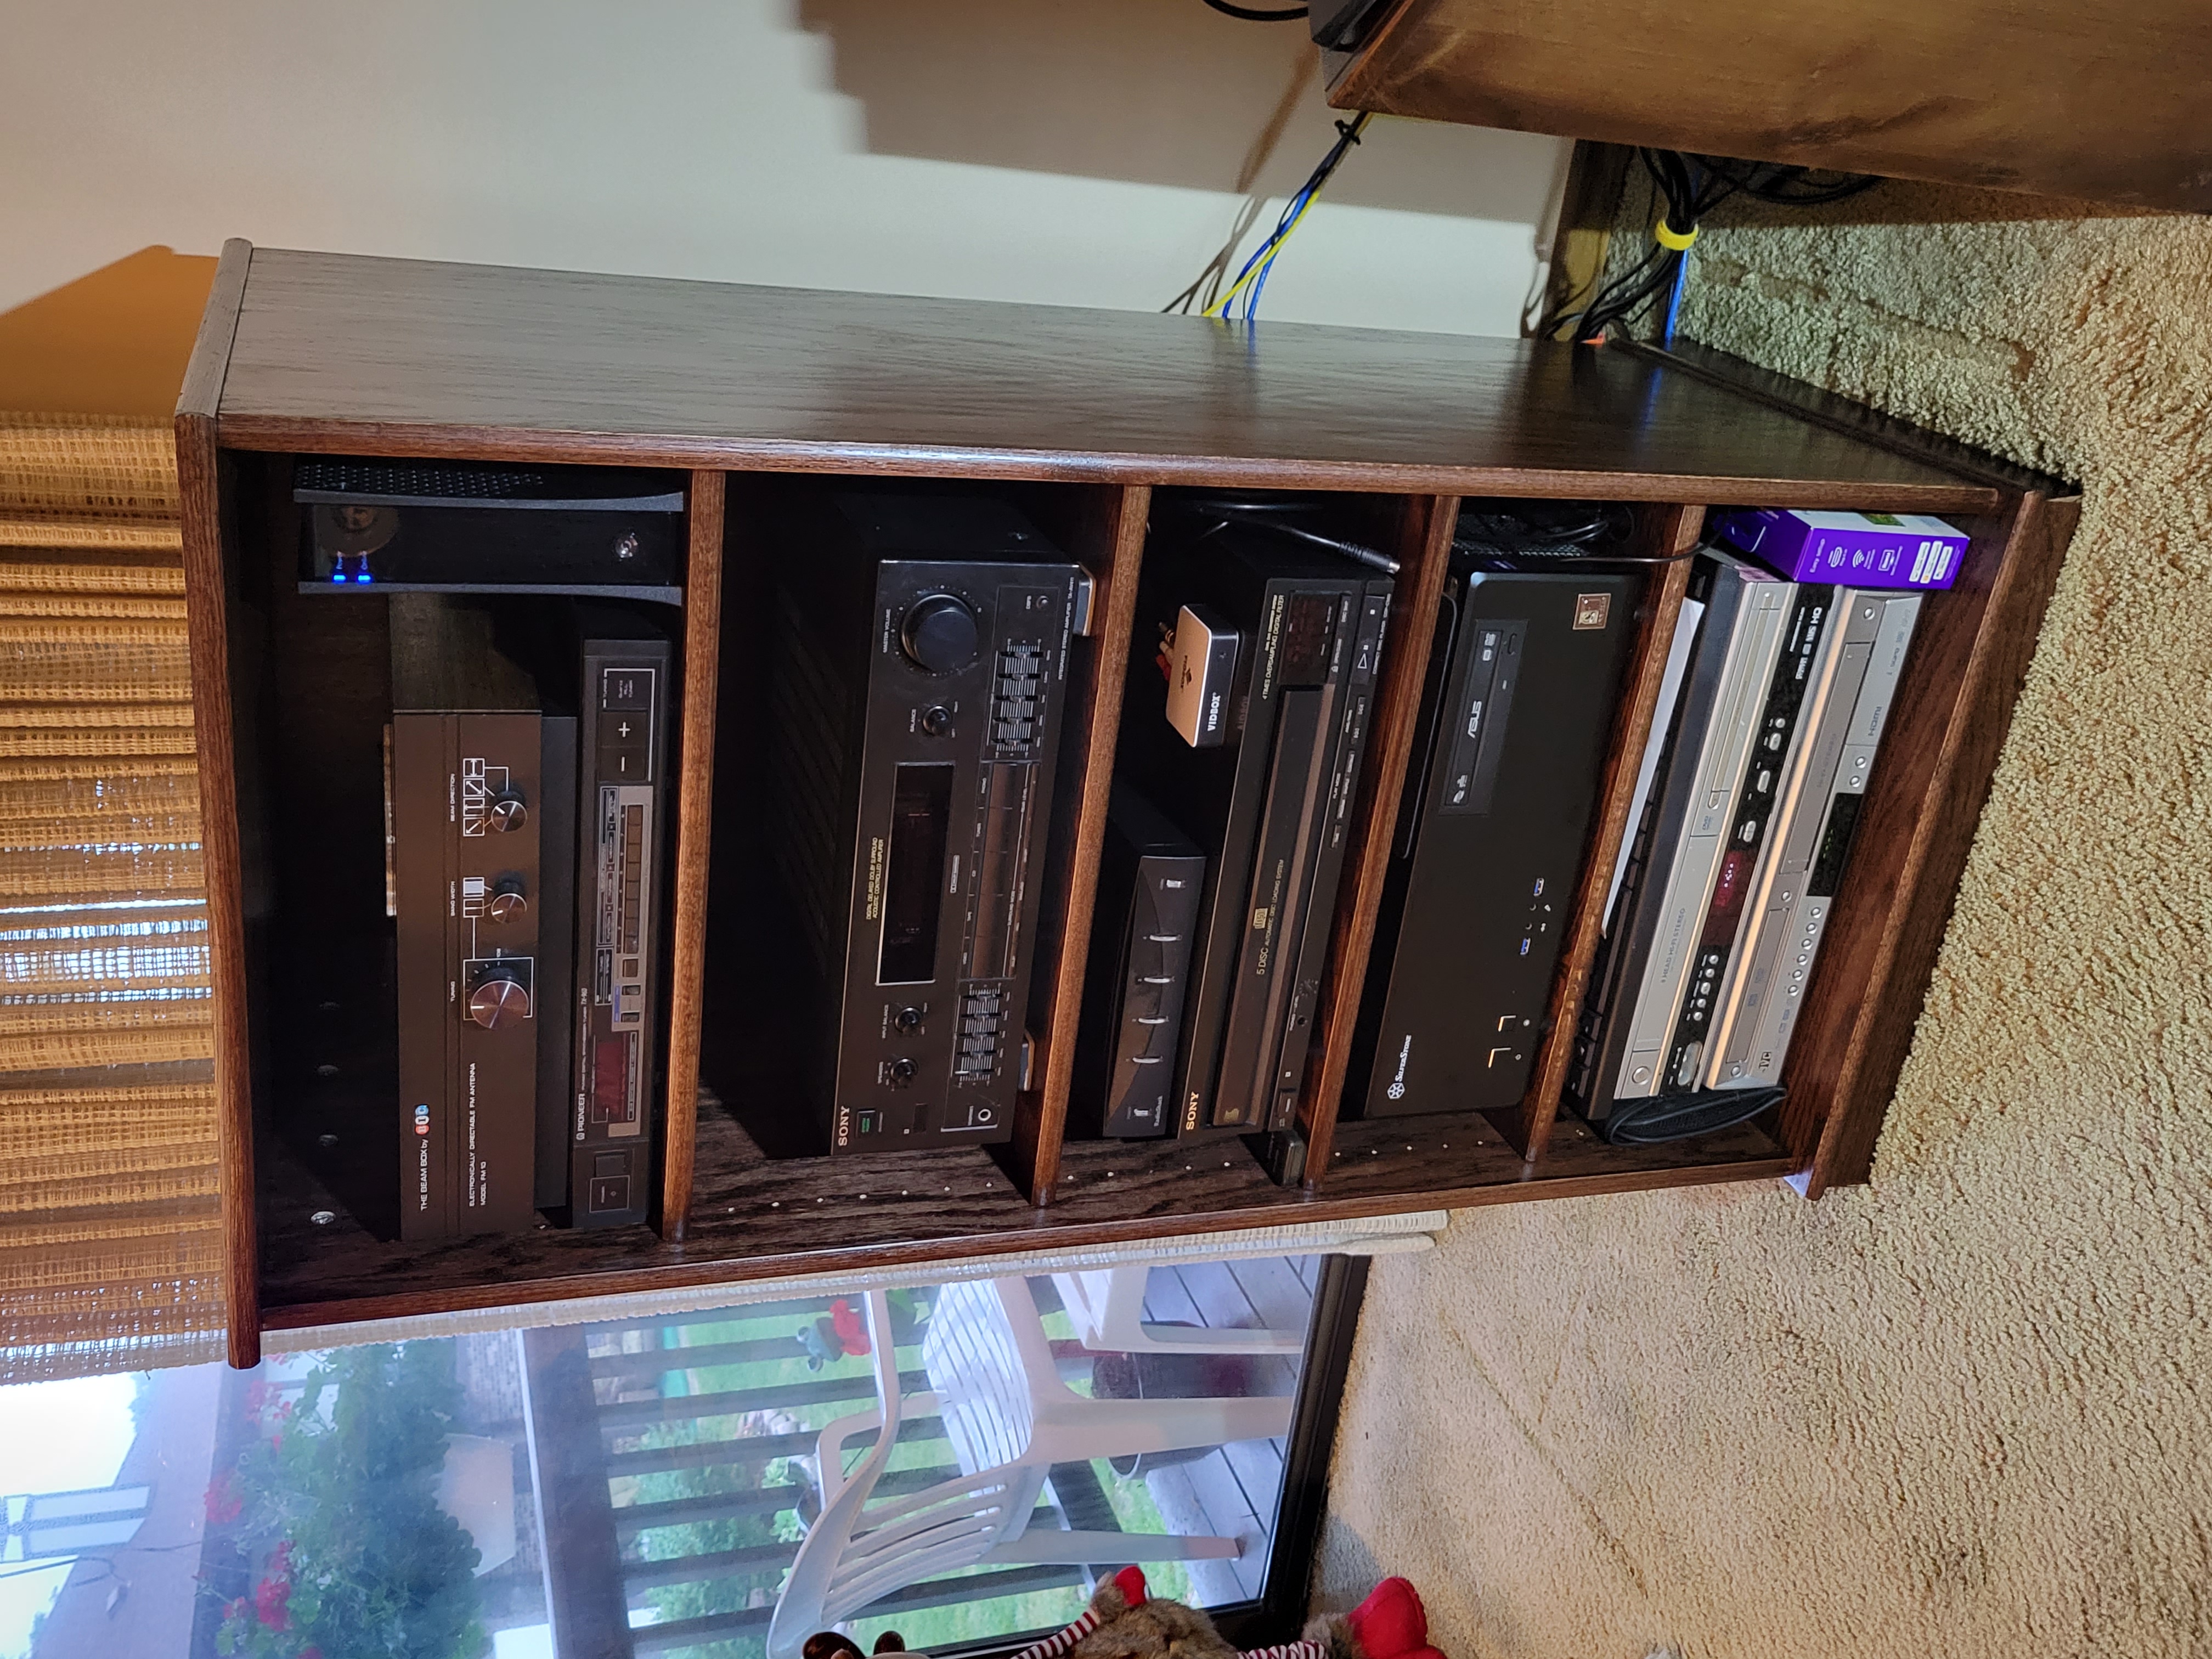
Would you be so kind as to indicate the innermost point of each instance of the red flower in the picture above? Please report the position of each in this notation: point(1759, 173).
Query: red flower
point(223, 1502)
point(270, 1597)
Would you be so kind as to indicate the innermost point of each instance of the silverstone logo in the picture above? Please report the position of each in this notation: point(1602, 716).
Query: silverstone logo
point(1397, 1089)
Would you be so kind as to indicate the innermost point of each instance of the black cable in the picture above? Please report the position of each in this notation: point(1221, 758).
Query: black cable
point(1281, 518)
point(1788, 186)
point(1691, 187)
point(1245, 14)
point(1657, 1119)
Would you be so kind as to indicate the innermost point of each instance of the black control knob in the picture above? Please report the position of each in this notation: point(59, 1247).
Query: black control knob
point(902, 1071)
point(499, 998)
point(508, 810)
point(936, 720)
point(507, 901)
point(940, 633)
point(906, 1020)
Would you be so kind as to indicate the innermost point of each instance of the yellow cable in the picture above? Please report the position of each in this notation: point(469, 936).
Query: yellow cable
point(1667, 236)
point(1221, 306)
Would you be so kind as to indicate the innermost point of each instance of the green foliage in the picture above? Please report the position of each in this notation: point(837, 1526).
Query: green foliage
point(361, 1562)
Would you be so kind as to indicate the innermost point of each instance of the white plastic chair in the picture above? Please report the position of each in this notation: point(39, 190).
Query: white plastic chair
point(1108, 1308)
point(859, 1550)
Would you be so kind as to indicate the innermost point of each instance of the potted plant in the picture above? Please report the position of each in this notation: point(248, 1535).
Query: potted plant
point(337, 1497)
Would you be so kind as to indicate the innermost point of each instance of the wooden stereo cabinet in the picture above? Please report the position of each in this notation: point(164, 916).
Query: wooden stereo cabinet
point(2098, 101)
point(1078, 416)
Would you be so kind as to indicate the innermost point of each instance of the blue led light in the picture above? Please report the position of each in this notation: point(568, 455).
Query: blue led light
point(337, 575)
point(362, 577)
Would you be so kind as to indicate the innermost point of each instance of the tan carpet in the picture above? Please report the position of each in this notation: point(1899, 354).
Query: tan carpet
point(1967, 1410)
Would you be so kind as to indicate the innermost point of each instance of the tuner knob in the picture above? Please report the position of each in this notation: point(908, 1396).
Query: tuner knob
point(499, 998)
point(508, 810)
point(902, 1071)
point(907, 1019)
point(940, 633)
point(508, 901)
point(936, 720)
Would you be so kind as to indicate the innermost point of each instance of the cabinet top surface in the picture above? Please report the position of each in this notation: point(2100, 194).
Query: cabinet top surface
point(342, 353)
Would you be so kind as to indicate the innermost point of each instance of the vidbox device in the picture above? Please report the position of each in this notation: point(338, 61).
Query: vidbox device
point(1524, 686)
point(1864, 549)
point(919, 676)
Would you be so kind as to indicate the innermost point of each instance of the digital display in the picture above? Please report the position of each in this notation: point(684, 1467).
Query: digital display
point(610, 1067)
point(1728, 888)
point(913, 874)
point(1835, 846)
point(1308, 628)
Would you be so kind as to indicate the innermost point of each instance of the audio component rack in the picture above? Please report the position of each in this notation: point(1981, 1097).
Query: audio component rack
point(1082, 421)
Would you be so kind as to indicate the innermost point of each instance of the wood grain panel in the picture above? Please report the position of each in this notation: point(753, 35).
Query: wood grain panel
point(695, 774)
point(755, 1217)
point(1673, 534)
point(207, 591)
point(1806, 402)
point(201, 392)
point(1108, 539)
point(392, 356)
point(1970, 657)
point(1424, 553)
point(2102, 100)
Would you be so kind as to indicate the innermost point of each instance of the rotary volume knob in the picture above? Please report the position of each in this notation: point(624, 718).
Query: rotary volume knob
point(940, 633)
point(499, 997)
point(508, 901)
point(508, 810)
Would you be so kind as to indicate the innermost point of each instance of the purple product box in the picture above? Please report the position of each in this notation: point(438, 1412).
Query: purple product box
point(1865, 550)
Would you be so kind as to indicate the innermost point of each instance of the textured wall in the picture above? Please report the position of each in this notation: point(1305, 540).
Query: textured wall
point(1966, 1410)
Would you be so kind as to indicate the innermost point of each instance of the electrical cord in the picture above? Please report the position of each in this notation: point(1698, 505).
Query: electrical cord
point(1279, 517)
point(1655, 1120)
point(1254, 273)
point(1246, 13)
point(1686, 188)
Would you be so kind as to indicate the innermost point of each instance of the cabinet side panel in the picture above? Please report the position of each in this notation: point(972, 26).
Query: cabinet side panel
point(1108, 537)
point(199, 473)
point(694, 779)
point(1924, 797)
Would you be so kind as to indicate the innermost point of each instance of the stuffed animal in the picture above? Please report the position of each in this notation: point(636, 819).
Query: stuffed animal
point(828, 1340)
point(1125, 1621)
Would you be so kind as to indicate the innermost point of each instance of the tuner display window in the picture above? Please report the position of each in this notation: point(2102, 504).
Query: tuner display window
point(914, 876)
point(613, 1100)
